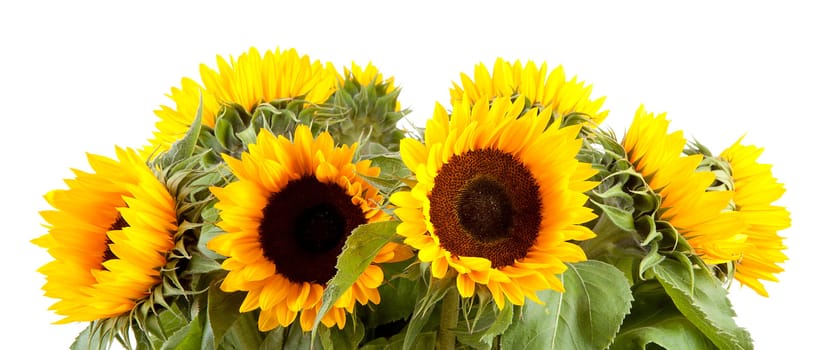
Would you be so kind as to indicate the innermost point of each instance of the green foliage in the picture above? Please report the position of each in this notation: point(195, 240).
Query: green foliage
point(703, 301)
point(586, 316)
point(655, 321)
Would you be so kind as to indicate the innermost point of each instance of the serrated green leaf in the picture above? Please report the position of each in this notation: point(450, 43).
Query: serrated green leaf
point(85, 340)
point(654, 320)
point(171, 320)
point(587, 316)
point(186, 338)
point(704, 302)
point(361, 247)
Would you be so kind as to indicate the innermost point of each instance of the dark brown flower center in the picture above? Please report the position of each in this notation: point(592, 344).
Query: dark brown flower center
point(304, 228)
point(484, 209)
point(485, 203)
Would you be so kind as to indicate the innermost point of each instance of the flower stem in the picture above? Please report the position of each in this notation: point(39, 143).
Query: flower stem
point(448, 320)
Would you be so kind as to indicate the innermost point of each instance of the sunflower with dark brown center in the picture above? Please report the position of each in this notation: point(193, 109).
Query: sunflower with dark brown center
point(286, 220)
point(498, 198)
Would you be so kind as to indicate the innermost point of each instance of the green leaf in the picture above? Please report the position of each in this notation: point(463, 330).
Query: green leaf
point(424, 340)
point(425, 308)
point(704, 302)
point(199, 264)
point(87, 340)
point(654, 320)
point(167, 322)
point(274, 340)
point(297, 339)
point(187, 337)
point(587, 316)
point(398, 296)
point(348, 338)
point(222, 312)
point(183, 148)
point(244, 333)
point(360, 249)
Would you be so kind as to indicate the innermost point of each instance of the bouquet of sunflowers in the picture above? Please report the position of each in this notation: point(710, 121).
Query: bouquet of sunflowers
point(279, 205)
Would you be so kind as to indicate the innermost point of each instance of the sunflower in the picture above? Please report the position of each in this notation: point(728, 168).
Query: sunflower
point(755, 191)
point(367, 75)
point(245, 82)
point(286, 220)
point(701, 216)
point(109, 234)
point(534, 84)
point(497, 198)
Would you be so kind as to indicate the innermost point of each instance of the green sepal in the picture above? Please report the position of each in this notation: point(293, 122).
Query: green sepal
point(364, 113)
point(393, 173)
point(184, 148)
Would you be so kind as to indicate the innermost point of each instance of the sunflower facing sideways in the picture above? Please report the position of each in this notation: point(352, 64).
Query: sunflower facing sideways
point(701, 216)
point(246, 82)
point(534, 83)
point(286, 220)
point(755, 191)
point(498, 198)
point(109, 234)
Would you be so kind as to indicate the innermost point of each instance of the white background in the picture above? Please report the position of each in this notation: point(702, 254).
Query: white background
point(81, 76)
